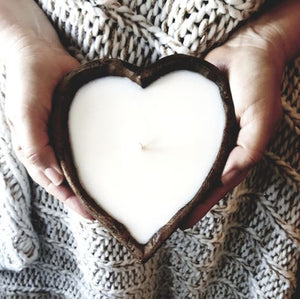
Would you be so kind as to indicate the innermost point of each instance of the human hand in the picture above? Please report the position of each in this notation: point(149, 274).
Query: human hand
point(35, 62)
point(254, 65)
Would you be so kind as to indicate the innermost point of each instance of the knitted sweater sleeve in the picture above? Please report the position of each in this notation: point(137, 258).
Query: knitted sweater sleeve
point(247, 246)
point(18, 240)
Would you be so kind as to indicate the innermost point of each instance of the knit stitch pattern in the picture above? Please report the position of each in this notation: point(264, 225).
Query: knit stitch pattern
point(247, 246)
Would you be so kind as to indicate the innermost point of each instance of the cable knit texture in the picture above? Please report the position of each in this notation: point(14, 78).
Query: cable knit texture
point(246, 247)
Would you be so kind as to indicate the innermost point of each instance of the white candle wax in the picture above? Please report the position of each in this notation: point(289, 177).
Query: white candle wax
point(142, 154)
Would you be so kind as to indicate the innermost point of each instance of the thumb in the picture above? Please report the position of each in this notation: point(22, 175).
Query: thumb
point(31, 144)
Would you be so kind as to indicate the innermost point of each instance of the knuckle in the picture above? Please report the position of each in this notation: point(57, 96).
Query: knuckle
point(32, 158)
point(254, 156)
point(35, 156)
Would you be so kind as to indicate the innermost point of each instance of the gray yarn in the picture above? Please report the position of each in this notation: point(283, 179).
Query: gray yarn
point(247, 246)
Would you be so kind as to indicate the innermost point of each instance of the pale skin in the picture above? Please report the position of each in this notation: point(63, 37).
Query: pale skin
point(36, 60)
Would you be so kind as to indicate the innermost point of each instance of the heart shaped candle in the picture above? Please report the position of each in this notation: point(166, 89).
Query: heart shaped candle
point(140, 147)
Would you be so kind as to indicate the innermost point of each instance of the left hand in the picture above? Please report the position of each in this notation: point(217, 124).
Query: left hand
point(254, 65)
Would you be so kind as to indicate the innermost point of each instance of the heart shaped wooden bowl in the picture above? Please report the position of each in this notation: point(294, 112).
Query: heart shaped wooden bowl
point(60, 136)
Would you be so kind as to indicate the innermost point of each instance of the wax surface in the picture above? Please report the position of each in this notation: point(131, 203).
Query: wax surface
point(142, 154)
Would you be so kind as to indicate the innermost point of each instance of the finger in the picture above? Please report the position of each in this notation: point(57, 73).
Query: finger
point(257, 126)
point(31, 135)
point(61, 192)
point(209, 201)
point(65, 195)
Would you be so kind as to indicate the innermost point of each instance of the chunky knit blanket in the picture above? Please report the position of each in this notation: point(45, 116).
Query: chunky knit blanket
point(247, 246)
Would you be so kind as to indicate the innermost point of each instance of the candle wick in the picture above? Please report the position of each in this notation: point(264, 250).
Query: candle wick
point(142, 146)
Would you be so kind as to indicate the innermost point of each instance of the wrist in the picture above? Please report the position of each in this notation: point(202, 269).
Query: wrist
point(21, 21)
point(254, 40)
point(11, 38)
point(279, 24)
point(272, 42)
point(275, 33)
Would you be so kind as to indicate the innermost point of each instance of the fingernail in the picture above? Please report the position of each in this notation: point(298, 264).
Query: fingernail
point(234, 177)
point(230, 176)
point(54, 176)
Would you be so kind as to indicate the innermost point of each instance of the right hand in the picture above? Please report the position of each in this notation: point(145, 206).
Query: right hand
point(34, 68)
